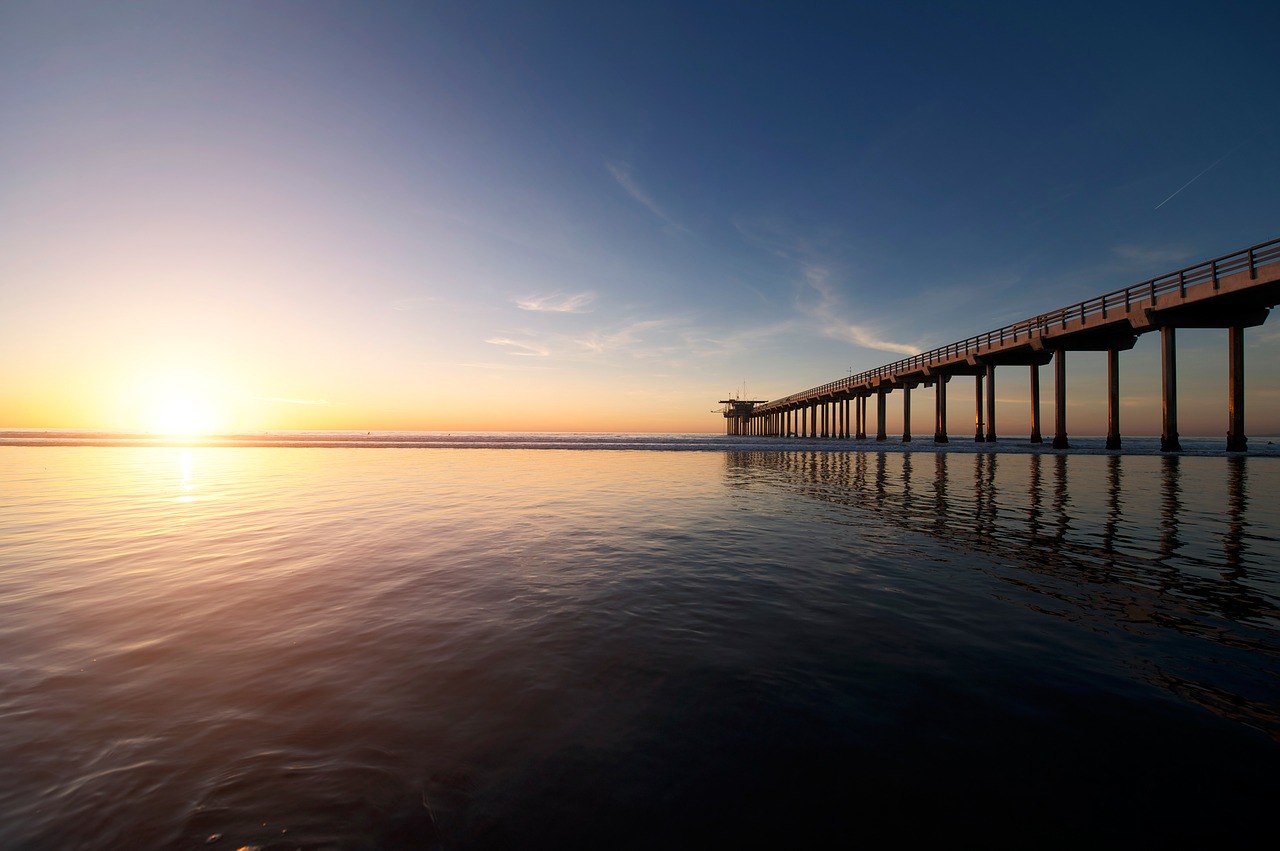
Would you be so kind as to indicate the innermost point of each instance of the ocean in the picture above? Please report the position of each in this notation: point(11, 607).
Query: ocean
point(396, 641)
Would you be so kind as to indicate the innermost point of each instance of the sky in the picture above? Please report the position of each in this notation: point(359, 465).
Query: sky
point(585, 216)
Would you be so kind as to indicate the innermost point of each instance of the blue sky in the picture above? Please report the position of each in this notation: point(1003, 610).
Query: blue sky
point(517, 215)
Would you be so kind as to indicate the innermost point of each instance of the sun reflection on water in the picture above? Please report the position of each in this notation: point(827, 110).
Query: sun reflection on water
point(186, 470)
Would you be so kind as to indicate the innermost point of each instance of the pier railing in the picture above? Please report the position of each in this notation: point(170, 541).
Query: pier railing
point(1250, 259)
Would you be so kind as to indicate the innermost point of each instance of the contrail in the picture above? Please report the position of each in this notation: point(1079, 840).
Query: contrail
point(1197, 177)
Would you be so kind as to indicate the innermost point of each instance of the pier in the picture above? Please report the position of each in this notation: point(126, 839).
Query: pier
point(1233, 292)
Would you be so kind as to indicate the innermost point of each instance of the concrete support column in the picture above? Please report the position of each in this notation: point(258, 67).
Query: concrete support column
point(1236, 441)
point(1113, 399)
point(906, 413)
point(880, 400)
point(1169, 390)
point(1036, 434)
point(991, 403)
point(978, 436)
point(1060, 400)
point(862, 418)
point(940, 410)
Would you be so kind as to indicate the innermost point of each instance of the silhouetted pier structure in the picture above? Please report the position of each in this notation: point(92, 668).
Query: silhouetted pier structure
point(1233, 292)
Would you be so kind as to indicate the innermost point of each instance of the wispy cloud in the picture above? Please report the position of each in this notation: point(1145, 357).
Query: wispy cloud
point(867, 338)
point(622, 174)
point(557, 303)
point(1165, 256)
point(628, 337)
point(827, 306)
point(519, 348)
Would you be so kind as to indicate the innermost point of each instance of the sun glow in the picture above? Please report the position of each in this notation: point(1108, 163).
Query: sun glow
point(182, 414)
point(181, 406)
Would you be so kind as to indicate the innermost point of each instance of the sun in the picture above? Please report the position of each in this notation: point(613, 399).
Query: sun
point(181, 405)
point(182, 413)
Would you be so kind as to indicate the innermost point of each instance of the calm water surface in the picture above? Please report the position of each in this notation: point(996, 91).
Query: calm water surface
point(393, 648)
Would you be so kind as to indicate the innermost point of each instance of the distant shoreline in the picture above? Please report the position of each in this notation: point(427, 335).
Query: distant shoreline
point(1261, 446)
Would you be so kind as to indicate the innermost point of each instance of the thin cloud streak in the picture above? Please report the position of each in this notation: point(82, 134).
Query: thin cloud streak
point(828, 303)
point(520, 349)
point(598, 341)
point(1197, 177)
point(557, 303)
point(862, 336)
point(622, 174)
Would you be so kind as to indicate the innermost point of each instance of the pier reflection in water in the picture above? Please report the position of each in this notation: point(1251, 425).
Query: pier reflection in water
point(1176, 556)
